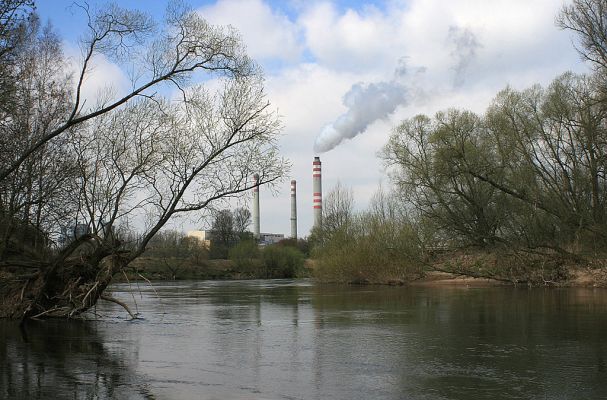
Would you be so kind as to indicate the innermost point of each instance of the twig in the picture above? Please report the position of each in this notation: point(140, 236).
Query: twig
point(70, 287)
point(120, 303)
point(154, 289)
point(130, 287)
point(472, 274)
point(89, 292)
point(23, 289)
point(45, 312)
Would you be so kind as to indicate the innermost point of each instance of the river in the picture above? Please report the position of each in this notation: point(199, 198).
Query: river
point(284, 339)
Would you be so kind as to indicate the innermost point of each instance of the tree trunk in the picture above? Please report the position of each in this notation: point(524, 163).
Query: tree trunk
point(65, 288)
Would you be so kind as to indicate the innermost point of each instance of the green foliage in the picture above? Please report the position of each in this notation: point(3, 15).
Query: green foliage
point(275, 261)
point(300, 244)
point(228, 229)
point(282, 261)
point(531, 172)
point(218, 250)
point(378, 246)
point(432, 159)
point(246, 257)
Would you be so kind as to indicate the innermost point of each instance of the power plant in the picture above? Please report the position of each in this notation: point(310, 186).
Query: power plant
point(316, 202)
point(294, 209)
point(317, 192)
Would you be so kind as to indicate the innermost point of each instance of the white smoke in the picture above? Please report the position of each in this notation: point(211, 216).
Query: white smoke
point(464, 45)
point(367, 103)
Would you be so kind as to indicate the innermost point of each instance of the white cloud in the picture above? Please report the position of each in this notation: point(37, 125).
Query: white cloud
point(267, 34)
point(354, 40)
point(517, 45)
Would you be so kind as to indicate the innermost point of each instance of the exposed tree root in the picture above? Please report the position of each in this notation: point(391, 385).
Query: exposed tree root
point(65, 287)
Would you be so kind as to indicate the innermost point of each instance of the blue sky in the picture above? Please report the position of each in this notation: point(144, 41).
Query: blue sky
point(68, 20)
point(324, 60)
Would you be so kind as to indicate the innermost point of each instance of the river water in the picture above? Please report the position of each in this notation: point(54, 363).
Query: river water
point(286, 339)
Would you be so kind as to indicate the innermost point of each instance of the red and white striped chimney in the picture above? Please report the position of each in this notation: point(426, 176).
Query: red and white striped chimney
point(317, 192)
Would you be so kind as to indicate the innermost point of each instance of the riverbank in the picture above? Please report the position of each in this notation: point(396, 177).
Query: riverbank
point(460, 268)
point(473, 267)
point(581, 278)
point(516, 268)
point(174, 269)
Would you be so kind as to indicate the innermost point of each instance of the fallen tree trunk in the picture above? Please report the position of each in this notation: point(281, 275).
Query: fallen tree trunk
point(65, 287)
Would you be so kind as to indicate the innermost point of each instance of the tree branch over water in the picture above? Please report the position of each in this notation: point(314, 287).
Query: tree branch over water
point(140, 158)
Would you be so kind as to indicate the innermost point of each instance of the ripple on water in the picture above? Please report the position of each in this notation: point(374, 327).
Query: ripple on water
point(294, 340)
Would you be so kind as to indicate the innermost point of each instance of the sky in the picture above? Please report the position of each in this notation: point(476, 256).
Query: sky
point(343, 74)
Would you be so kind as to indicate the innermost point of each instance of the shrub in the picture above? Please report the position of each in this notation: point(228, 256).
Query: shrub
point(369, 252)
point(246, 258)
point(282, 261)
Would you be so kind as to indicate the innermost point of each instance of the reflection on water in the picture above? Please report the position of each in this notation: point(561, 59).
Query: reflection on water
point(65, 360)
point(294, 340)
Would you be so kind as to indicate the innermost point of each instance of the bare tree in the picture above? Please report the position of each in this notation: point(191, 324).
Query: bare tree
point(143, 160)
point(588, 18)
point(242, 220)
point(14, 16)
point(171, 54)
point(338, 210)
point(37, 194)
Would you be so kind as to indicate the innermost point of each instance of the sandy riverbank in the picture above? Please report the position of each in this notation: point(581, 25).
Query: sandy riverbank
point(582, 277)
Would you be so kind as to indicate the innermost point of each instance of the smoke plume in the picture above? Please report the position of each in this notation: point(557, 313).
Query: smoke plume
point(366, 102)
point(463, 51)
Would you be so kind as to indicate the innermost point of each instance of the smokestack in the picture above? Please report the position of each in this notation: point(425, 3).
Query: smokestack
point(256, 206)
point(317, 195)
point(294, 209)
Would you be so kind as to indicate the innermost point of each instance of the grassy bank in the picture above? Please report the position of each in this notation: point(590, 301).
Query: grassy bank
point(523, 267)
point(469, 267)
point(461, 267)
point(173, 268)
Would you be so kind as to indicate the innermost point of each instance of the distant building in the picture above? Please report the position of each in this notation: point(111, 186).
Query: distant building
point(203, 237)
point(206, 237)
point(270, 238)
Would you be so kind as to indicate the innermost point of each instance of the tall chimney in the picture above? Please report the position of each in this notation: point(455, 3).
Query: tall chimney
point(294, 209)
point(317, 193)
point(256, 206)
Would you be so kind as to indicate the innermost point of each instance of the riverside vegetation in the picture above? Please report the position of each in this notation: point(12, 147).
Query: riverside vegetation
point(517, 194)
point(174, 256)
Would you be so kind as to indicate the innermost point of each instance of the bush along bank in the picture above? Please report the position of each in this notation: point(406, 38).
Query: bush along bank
point(387, 245)
point(470, 266)
point(246, 261)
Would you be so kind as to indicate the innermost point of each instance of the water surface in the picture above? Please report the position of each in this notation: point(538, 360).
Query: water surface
point(287, 339)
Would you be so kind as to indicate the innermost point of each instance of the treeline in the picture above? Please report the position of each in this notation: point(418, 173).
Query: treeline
point(528, 176)
point(529, 172)
point(174, 255)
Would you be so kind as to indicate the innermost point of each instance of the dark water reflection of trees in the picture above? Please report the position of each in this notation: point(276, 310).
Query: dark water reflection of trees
point(64, 360)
